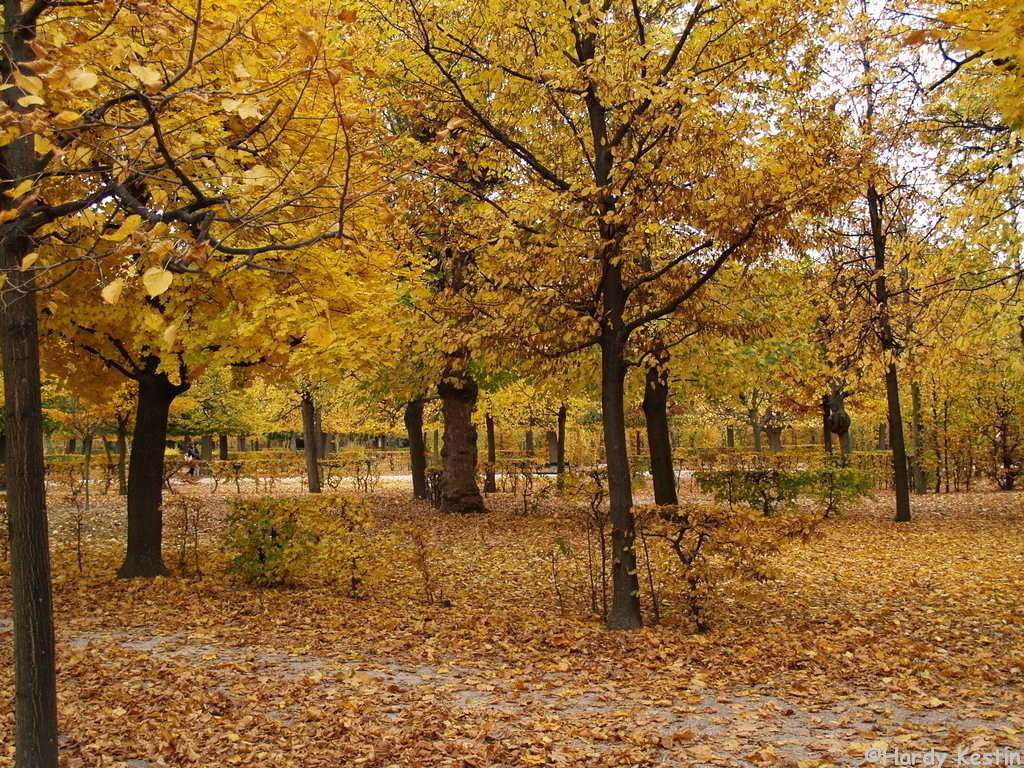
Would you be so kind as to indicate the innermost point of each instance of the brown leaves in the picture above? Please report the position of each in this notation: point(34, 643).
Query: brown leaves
point(872, 633)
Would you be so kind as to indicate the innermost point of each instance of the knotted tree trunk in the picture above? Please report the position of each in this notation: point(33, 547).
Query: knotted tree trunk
point(459, 492)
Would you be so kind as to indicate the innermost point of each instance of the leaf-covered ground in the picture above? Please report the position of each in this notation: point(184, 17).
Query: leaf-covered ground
point(908, 636)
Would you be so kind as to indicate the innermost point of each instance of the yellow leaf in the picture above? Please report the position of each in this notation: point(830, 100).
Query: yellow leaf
point(82, 80)
point(157, 280)
point(170, 334)
point(30, 100)
point(66, 117)
point(129, 225)
point(247, 110)
point(112, 291)
point(148, 76)
point(19, 190)
point(29, 260)
point(42, 144)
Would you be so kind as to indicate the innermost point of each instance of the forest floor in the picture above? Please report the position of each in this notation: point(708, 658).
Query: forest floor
point(899, 637)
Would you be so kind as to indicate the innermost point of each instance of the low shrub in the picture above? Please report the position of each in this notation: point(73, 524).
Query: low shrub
point(716, 543)
point(775, 491)
point(327, 539)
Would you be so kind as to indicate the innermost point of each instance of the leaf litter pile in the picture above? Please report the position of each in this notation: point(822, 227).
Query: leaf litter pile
point(901, 637)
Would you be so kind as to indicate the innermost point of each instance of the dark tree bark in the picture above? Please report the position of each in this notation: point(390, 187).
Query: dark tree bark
point(72, 446)
point(774, 438)
point(459, 493)
point(417, 447)
point(730, 438)
point(659, 440)
point(551, 443)
point(35, 681)
point(310, 443)
point(920, 481)
point(490, 486)
point(754, 417)
point(144, 556)
point(888, 342)
point(122, 457)
point(222, 446)
point(826, 423)
point(529, 442)
point(206, 447)
point(560, 457)
point(625, 611)
point(839, 420)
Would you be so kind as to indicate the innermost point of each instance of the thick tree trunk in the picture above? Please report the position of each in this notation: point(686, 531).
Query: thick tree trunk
point(310, 443)
point(72, 446)
point(529, 442)
point(240, 443)
point(774, 439)
point(920, 482)
point(206, 447)
point(625, 611)
point(560, 458)
point(222, 447)
point(417, 447)
point(659, 441)
point(490, 486)
point(35, 686)
point(730, 438)
point(144, 556)
point(459, 492)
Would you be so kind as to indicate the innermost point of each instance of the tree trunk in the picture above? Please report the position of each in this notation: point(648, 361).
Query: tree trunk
point(882, 443)
point(459, 491)
point(755, 425)
point(826, 428)
point(144, 556)
point(417, 447)
point(490, 486)
point(888, 342)
point(659, 441)
point(310, 443)
point(551, 443)
point(35, 684)
point(560, 458)
point(529, 442)
point(730, 438)
point(774, 439)
point(625, 612)
point(899, 450)
point(206, 447)
point(72, 446)
point(920, 482)
point(122, 457)
point(222, 447)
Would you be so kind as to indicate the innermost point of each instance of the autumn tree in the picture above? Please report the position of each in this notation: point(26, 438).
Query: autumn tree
point(608, 121)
